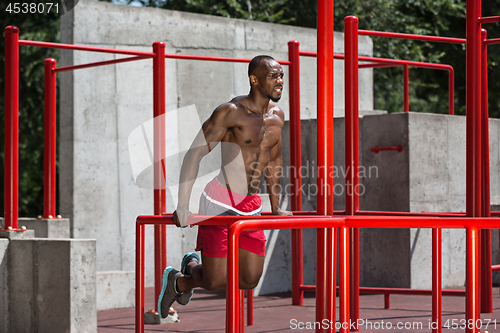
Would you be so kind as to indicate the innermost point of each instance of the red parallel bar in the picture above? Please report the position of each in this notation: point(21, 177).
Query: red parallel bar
point(472, 283)
point(139, 277)
point(295, 163)
point(489, 19)
point(473, 109)
point(405, 291)
point(98, 63)
point(435, 214)
point(209, 58)
point(406, 88)
point(49, 188)
point(451, 91)
point(493, 41)
point(344, 298)
point(11, 169)
point(436, 280)
point(412, 36)
point(352, 155)
point(375, 65)
point(232, 300)
point(377, 149)
point(486, 277)
point(324, 305)
point(250, 307)
point(420, 222)
point(160, 231)
point(495, 267)
point(83, 48)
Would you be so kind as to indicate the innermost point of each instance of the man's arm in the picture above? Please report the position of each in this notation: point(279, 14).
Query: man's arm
point(211, 133)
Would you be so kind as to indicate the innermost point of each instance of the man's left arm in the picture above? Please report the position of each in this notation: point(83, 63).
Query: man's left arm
point(272, 174)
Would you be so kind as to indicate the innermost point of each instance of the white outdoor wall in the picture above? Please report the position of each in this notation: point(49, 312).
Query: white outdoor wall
point(100, 107)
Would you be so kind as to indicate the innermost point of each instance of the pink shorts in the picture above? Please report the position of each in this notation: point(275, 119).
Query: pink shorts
point(217, 200)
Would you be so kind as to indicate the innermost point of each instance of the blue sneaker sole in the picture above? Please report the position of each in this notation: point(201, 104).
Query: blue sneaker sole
point(163, 289)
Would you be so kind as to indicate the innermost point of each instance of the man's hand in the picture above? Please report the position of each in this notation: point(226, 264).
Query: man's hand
point(282, 212)
point(180, 217)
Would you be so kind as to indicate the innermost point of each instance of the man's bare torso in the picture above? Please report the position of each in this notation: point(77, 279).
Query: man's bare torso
point(251, 141)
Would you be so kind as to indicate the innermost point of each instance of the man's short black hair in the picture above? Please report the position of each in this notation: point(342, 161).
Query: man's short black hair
point(256, 62)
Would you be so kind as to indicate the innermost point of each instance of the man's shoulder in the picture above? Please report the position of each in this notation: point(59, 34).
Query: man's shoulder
point(276, 110)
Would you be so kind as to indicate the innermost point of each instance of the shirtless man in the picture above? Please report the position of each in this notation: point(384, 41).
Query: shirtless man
point(249, 129)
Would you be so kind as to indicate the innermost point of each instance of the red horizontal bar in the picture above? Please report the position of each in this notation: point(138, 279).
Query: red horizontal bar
point(412, 36)
point(83, 48)
point(210, 58)
point(377, 149)
point(395, 62)
point(421, 222)
point(98, 63)
point(376, 65)
point(406, 291)
point(308, 287)
point(435, 214)
point(495, 267)
point(492, 41)
point(196, 219)
point(489, 19)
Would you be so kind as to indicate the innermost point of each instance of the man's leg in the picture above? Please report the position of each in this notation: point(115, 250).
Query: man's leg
point(212, 274)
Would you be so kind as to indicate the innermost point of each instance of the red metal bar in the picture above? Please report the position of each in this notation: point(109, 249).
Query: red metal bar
point(139, 277)
point(493, 41)
point(295, 163)
point(387, 301)
point(232, 301)
point(486, 277)
point(473, 109)
point(11, 169)
point(242, 311)
point(375, 65)
point(412, 36)
point(352, 155)
point(344, 296)
point(358, 221)
point(83, 48)
point(160, 231)
point(49, 189)
point(489, 19)
point(210, 58)
point(377, 149)
point(472, 312)
point(451, 91)
point(495, 267)
point(98, 63)
point(436, 280)
point(250, 307)
point(325, 154)
point(406, 88)
point(407, 291)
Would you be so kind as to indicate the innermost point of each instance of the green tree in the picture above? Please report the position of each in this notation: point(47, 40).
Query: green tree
point(40, 27)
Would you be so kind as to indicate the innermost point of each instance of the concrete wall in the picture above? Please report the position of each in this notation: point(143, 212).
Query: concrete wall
point(101, 107)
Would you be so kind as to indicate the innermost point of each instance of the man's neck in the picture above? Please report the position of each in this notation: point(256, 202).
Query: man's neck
point(258, 103)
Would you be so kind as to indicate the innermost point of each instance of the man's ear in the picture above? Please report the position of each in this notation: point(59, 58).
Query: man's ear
point(253, 79)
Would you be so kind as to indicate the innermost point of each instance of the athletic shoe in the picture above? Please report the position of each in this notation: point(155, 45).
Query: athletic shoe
point(185, 297)
point(168, 293)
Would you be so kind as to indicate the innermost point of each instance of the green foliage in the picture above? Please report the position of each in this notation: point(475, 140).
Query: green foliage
point(40, 27)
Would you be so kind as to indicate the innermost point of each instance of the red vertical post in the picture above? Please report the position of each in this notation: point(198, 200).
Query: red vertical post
point(242, 311)
point(232, 299)
point(472, 313)
point(324, 261)
point(486, 277)
point(250, 307)
point(139, 277)
point(295, 164)
point(436, 280)
point(406, 88)
point(11, 169)
point(344, 280)
point(473, 109)
point(49, 189)
point(451, 91)
point(160, 231)
point(352, 153)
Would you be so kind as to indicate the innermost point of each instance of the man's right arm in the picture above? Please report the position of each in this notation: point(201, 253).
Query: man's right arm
point(211, 133)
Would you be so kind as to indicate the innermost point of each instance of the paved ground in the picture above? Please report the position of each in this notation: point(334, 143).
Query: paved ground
point(206, 313)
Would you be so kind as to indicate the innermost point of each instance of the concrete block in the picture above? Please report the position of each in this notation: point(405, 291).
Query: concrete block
point(4, 285)
point(52, 285)
point(47, 228)
point(115, 290)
